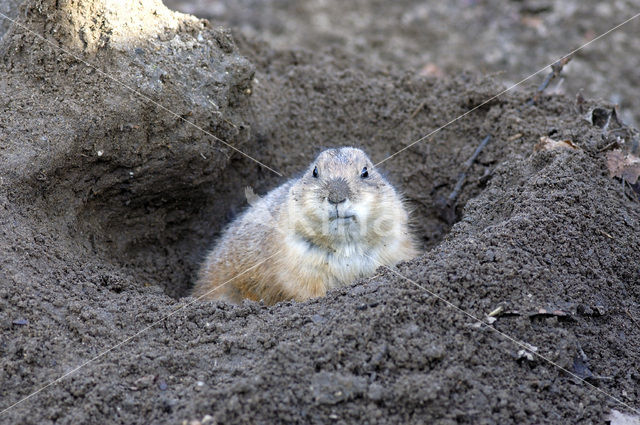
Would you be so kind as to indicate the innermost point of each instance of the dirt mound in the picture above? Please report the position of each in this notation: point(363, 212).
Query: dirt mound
point(109, 201)
point(121, 174)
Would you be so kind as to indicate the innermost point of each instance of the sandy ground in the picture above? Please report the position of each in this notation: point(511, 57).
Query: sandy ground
point(109, 201)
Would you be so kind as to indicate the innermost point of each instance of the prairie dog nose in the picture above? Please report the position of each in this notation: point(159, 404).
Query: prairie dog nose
point(338, 190)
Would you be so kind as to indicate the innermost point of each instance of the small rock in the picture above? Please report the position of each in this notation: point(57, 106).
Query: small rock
point(376, 392)
point(599, 310)
point(490, 255)
point(20, 322)
point(581, 368)
point(143, 382)
point(434, 352)
point(525, 355)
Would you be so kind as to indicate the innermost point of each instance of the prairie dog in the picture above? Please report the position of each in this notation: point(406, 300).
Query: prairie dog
point(337, 222)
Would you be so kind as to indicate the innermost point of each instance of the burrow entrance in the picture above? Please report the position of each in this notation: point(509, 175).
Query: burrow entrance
point(156, 220)
point(287, 135)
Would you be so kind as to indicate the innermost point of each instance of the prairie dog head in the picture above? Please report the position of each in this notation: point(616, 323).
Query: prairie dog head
point(342, 199)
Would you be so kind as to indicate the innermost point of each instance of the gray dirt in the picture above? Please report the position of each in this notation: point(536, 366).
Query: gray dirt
point(108, 202)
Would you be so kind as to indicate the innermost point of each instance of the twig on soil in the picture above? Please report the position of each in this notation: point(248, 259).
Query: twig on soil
point(609, 146)
point(626, 310)
point(556, 69)
point(418, 109)
point(497, 311)
point(605, 233)
point(415, 112)
point(448, 206)
point(514, 137)
point(466, 166)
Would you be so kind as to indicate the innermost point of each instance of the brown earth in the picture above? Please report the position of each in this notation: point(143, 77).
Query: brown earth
point(509, 39)
point(108, 201)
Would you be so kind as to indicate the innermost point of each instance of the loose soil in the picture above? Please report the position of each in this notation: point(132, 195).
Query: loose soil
point(108, 202)
point(508, 39)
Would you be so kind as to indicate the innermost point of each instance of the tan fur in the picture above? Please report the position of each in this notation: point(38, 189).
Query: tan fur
point(295, 244)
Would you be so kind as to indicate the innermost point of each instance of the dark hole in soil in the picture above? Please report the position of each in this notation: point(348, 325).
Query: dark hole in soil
point(162, 230)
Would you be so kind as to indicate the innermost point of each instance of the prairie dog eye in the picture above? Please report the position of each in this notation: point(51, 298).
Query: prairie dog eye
point(315, 172)
point(364, 173)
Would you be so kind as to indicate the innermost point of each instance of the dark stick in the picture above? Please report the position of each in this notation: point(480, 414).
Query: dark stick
point(556, 69)
point(463, 175)
point(631, 317)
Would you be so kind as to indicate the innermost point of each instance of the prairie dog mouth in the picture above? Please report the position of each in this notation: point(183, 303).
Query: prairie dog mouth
point(345, 217)
point(334, 214)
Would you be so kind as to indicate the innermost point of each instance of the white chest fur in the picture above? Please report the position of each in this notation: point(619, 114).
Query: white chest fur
point(315, 269)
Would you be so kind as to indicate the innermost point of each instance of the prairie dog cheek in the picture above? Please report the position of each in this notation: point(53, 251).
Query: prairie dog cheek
point(383, 225)
point(308, 213)
point(363, 209)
